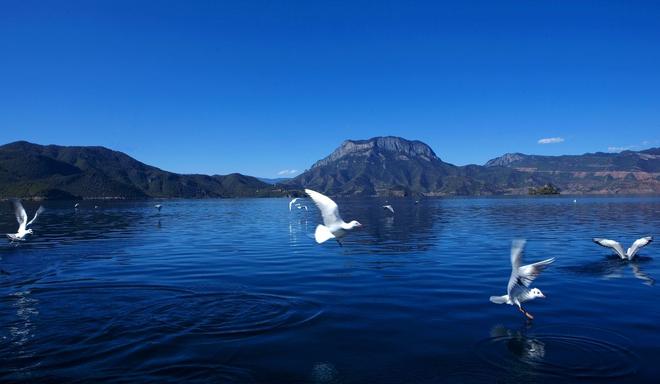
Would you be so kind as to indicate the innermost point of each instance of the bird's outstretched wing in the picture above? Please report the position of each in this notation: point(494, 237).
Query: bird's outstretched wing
point(21, 216)
point(36, 214)
point(611, 244)
point(389, 208)
point(329, 209)
point(639, 243)
point(523, 275)
point(517, 248)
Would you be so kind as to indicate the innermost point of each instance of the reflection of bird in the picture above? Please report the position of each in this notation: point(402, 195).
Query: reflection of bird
point(333, 226)
point(630, 253)
point(518, 343)
point(158, 207)
point(518, 290)
point(292, 202)
point(22, 217)
point(389, 208)
point(612, 267)
point(639, 274)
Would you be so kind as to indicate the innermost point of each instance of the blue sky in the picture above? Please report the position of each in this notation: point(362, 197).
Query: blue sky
point(260, 87)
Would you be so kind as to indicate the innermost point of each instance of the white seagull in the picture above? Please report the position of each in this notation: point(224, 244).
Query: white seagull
point(631, 252)
point(389, 208)
point(299, 206)
point(158, 207)
point(76, 205)
point(22, 217)
point(333, 226)
point(518, 290)
point(292, 202)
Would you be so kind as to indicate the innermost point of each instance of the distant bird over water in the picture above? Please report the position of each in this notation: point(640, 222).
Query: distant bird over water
point(333, 226)
point(76, 206)
point(21, 217)
point(518, 290)
point(158, 207)
point(630, 253)
point(292, 202)
point(389, 208)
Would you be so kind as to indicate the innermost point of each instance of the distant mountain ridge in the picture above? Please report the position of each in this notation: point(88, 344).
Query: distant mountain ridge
point(395, 166)
point(35, 171)
point(380, 166)
point(627, 161)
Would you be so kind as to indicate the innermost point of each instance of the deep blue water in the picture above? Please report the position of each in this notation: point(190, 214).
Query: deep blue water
point(238, 291)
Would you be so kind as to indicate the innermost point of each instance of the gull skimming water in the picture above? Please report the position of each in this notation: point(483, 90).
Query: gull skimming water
point(292, 202)
point(21, 217)
point(616, 246)
point(333, 226)
point(518, 290)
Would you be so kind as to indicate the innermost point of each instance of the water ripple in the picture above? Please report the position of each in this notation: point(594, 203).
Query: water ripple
point(557, 352)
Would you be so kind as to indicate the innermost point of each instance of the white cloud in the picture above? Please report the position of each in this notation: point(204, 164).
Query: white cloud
point(551, 140)
point(286, 172)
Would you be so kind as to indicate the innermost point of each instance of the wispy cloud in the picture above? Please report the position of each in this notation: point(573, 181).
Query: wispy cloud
point(551, 140)
point(287, 172)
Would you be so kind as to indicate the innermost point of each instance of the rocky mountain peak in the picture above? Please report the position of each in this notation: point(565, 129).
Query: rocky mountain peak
point(505, 160)
point(404, 149)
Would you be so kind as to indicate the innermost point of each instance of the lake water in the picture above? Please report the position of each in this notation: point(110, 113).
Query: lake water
point(238, 291)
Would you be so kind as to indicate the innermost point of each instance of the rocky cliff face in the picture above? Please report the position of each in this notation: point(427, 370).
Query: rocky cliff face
point(381, 166)
point(402, 148)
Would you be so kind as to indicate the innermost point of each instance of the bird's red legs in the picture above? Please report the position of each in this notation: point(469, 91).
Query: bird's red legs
point(529, 315)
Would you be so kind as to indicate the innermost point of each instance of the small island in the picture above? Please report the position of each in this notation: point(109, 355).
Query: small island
point(547, 189)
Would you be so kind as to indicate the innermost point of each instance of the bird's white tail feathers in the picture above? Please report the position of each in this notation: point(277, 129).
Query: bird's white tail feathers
point(322, 234)
point(499, 299)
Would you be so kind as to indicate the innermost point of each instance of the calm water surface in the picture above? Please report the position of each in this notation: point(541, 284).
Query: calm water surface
point(238, 291)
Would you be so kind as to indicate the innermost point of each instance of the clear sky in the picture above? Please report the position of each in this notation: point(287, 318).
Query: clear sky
point(260, 87)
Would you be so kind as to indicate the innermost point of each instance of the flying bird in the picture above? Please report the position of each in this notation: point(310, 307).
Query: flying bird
point(630, 253)
point(333, 226)
point(389, 208)
point(300, 206)
point(23, 224)
point(158, 207)
point(518, 290)
point(292, 202)
point(76, 205)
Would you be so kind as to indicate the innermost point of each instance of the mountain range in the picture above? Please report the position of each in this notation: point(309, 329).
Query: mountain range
point(396, 166)
point(380, 166)
point(34, 171)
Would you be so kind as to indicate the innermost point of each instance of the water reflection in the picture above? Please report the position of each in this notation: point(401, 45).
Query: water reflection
point(526, 348)
point(613, 267)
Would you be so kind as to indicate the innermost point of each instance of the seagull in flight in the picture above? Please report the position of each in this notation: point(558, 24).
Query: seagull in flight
point(158, 207)
point(631, 252)
point(76, 206)
point(300, 206)
point(293, 202)
point(389, 208)
point(23, 224)
point(333, 226)
point(518, 290)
